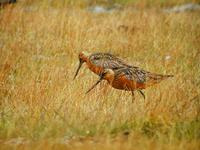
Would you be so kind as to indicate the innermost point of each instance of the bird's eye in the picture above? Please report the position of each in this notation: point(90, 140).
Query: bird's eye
point(104, 73)
point(96, 58)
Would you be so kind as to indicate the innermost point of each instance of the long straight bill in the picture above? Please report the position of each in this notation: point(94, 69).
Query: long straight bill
point(94, 85)
point(79, 66)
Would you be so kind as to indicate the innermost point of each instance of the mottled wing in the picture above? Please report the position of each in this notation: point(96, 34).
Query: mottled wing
point(107, 60)
point(142, 76)
point(132, 73)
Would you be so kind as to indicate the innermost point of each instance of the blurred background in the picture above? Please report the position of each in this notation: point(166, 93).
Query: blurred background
point(42, 107)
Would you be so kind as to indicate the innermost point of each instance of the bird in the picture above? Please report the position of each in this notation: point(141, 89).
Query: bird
point(123, 73)
point(97, 62)
point(130, 79)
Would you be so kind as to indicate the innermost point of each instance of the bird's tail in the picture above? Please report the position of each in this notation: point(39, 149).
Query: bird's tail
point(156, 78)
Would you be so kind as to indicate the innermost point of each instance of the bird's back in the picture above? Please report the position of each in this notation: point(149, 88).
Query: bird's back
point(106, 60)
point(135, 77)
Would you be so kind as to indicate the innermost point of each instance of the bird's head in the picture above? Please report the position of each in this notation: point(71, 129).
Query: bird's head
point(83, 56)
point(107, 74)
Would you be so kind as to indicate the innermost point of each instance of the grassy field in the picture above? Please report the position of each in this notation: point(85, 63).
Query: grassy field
point(42, 107)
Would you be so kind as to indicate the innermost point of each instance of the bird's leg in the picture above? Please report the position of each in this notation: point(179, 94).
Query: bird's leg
point(142, 93)
point(133, 96)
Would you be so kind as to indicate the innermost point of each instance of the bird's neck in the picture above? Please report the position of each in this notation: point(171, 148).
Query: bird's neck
point(110, 79)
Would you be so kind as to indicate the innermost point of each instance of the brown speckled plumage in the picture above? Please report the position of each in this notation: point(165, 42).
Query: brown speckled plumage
point(118, 73)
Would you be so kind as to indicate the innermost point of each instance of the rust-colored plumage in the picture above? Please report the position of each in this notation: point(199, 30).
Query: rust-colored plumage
point(118, 73)
point(130, 79)
point(97, 62)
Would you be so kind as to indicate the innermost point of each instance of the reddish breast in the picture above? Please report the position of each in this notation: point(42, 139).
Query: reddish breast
point(125, 84)
point(122, 83)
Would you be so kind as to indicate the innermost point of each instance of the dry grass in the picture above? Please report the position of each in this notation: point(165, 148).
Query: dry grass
point(42, 107)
